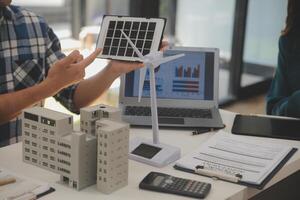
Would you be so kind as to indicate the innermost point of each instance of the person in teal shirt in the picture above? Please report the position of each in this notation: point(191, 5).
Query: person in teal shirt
point(283, 97)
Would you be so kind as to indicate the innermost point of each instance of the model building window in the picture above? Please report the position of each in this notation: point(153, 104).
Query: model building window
point(64, 145)
point(94, 114)
point(74, 184)
point(45, 147)
point(65, 179)
point(64, 170)
point(34, 152)
point(45, 156)
point(64, 162)
point(64, 153)
point(52, 141)
point(105, 114)
point(52, 166)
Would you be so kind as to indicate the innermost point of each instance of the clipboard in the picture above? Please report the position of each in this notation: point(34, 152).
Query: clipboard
point(257, 186)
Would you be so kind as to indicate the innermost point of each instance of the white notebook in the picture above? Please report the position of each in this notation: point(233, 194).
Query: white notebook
point(237, 158)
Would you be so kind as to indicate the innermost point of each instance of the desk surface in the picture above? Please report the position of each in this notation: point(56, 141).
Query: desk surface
point(11, 158)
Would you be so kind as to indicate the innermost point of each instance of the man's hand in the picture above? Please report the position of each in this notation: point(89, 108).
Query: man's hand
point(69, 70)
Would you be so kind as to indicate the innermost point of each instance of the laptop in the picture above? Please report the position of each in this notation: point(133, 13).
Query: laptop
point(187, 91)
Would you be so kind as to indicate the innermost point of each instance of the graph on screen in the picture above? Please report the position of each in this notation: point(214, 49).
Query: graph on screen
point(187, 72)
point(179, 79)
point(186, 79)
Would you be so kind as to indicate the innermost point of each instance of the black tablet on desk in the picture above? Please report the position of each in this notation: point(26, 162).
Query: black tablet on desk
point(267, 126)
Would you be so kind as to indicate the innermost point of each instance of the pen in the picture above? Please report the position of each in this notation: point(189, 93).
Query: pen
point(200, 170)
point(200, 130)
point(7, 180)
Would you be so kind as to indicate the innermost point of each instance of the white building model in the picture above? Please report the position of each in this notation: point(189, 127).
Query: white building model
point(50, 143)
point(112, 170)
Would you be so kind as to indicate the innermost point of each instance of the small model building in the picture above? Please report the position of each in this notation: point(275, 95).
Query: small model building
point(112, 167)
point(49, 142)
point(89, 116)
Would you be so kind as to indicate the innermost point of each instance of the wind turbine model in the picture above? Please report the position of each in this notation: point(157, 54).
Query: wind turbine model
point(153, 153)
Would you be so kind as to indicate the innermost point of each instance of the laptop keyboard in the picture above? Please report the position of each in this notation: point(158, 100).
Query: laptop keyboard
point(169, 112)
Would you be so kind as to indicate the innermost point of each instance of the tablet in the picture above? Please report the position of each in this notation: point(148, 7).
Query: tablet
point(267, 126)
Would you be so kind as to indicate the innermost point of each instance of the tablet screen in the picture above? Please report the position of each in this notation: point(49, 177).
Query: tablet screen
point(267, 127)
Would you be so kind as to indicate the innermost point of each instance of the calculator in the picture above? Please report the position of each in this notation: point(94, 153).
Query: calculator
point(160, 182)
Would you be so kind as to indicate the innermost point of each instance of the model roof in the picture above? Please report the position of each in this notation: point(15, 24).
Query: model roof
point(111, 125)
point(44, 112)
point(98, 107)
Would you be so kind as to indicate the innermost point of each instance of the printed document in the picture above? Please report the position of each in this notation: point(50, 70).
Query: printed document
point(253, 160)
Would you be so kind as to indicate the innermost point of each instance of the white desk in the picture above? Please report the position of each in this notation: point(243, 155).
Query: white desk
point(11, 158)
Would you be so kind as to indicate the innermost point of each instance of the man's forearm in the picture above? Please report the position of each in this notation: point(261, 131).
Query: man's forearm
point(12, 104)
point(91, 89)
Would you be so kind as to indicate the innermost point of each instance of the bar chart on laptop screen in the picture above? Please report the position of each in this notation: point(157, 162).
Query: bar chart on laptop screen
point(186, 79)
point(178, 79)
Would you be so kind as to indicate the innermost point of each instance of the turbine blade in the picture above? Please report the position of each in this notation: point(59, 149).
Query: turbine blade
point(141, 82)
point(140, 55)
point(167, 59)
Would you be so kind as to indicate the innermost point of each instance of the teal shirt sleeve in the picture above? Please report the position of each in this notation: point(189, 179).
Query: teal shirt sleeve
point(282, 98)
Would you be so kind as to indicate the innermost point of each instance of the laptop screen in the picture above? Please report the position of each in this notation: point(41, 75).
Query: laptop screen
point(189, 77)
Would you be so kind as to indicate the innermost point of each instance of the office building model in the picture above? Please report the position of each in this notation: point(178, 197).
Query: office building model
point(50, 142)
point(112, 170)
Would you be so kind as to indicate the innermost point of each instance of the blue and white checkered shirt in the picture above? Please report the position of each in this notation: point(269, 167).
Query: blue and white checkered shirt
point(28, 48)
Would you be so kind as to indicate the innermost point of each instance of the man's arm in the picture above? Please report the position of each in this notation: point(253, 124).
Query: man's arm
point(65, 72)
point(12, 104)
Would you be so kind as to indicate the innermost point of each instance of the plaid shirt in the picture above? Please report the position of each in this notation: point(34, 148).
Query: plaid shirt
point(28, 47)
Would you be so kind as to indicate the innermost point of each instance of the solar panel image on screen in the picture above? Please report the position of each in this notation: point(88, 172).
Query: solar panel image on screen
point(145, 33)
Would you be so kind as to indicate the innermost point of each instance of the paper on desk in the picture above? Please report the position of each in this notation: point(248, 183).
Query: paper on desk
point(233, 154)
point(21, 187)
